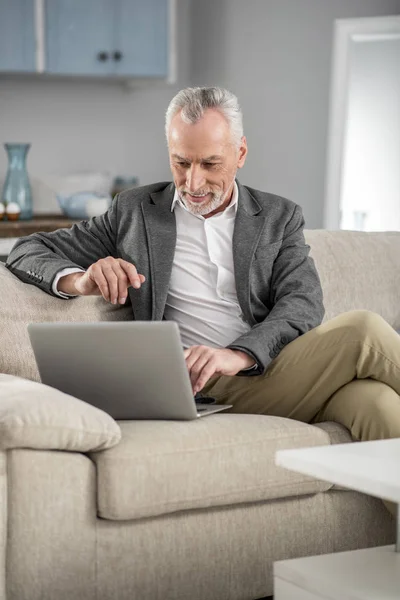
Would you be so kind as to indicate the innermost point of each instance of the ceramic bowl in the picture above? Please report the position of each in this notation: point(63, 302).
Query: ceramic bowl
point(83, 205)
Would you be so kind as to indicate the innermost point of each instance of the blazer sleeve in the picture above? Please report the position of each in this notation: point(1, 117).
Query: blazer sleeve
point(297, 300)
point(36, 259)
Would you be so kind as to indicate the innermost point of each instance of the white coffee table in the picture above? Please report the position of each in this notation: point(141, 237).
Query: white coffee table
point(370, 574)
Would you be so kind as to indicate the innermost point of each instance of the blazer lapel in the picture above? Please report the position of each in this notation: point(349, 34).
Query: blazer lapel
point(246, 234)
point(161, 237)
point(160, 227)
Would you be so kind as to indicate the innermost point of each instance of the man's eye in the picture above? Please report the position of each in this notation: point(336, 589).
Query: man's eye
point(183, 164)
point(209, 165)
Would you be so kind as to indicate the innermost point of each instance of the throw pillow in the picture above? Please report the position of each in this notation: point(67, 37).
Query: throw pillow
point(34, 415)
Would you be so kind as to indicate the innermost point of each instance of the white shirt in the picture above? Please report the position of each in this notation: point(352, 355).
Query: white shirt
point(202, 295)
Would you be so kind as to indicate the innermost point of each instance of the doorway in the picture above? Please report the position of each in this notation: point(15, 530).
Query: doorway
point(363, 166)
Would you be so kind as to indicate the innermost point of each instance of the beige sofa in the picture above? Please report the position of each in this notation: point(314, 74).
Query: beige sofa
point(177, 510)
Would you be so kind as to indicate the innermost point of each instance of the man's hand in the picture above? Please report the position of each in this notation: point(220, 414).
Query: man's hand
point(204, 362)
point(108, 277)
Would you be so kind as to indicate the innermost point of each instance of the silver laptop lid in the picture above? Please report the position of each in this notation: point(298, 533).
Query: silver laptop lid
point(132, 370)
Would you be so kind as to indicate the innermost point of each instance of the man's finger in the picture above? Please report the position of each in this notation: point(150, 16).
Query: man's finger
point(112, 281)
point(122, 282)
point(206, 373)
point(101, 282)
point(135, 279)
point(197, 369)
point(196, 353)
point(195, 350)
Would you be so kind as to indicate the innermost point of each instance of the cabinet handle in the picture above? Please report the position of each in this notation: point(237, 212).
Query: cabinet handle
point(102, 56)
point(117, 55)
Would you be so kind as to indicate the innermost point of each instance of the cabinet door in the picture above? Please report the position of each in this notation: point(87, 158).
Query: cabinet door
point(141, 38)
point(17, 36)
point(79, 36)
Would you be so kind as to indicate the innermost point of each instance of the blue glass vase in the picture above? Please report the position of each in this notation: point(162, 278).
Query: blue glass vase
point(16, 186)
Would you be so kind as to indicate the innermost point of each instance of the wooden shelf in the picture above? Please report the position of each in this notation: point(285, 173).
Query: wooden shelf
point(46, 223)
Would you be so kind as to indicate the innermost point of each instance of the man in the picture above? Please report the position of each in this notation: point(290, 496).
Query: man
point(230, 265)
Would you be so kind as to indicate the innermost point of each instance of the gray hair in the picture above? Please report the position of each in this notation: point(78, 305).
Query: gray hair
point(194, 101)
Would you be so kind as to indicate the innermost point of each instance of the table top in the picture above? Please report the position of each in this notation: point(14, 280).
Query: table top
point(369, 467)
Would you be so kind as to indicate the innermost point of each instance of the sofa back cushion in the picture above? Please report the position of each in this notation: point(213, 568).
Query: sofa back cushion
point(21, 304)
point(358, 270)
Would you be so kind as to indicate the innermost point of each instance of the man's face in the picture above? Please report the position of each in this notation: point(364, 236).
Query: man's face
point(204, 161)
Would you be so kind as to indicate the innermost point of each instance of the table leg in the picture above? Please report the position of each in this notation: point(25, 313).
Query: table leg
point(398, 529)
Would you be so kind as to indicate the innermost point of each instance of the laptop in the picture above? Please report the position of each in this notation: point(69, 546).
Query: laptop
point(131, 370)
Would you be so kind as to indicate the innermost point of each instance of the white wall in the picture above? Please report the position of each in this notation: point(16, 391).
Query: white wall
point(371, 170)
point(276, 56)
point(90, 126)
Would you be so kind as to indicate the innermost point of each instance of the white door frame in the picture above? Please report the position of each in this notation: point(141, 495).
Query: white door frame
point(345, 32)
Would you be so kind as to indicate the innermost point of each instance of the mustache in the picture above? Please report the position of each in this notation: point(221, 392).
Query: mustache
point(196, 193)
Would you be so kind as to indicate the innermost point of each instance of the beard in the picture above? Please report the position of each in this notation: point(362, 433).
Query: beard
point(203, 208)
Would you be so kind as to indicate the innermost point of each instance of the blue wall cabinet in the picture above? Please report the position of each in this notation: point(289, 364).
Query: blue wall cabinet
point(141, 37)
point(107, 37)
point(17, 36)
point(79, 36)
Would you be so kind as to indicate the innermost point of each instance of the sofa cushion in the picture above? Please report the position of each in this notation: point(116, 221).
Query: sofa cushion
point(21, 304)
point(161, 467)
point(33, 415)
point(358, 270)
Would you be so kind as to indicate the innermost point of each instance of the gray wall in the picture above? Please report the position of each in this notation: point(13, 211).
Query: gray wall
point(276, 56)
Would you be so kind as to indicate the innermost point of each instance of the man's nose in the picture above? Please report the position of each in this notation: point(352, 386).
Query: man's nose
point(195, 179)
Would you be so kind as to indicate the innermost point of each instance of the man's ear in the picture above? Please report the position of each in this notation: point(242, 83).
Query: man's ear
point(242, 153)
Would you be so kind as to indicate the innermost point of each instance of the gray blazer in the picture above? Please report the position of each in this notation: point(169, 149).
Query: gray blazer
point(277, 285)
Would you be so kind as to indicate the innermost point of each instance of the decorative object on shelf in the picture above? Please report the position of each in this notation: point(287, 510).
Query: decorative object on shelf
point(121, 183)
point(17, 188)
point(84, 205)
point(13, 211)
point(98, 182)
point(97, 205)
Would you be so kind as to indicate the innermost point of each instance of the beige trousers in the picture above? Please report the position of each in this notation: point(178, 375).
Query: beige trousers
point(346, 370)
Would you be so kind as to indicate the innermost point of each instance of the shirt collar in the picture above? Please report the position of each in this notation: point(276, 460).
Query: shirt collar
point(232, 206)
